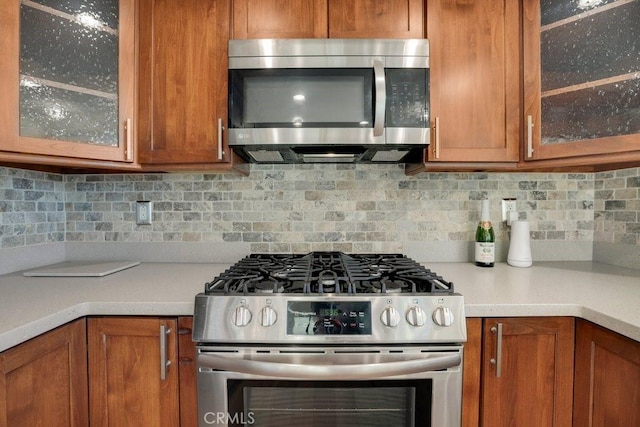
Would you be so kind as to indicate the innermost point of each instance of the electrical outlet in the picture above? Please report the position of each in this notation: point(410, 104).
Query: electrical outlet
point(508, 205)
point(143, 212)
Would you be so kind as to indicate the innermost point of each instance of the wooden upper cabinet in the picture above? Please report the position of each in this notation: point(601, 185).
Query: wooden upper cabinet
point(282, 19)
point(527, 367)
point(44, 380)
point(182, 81)
point(376, 19)
point(475, 80)
point(607, 378)
point(67, 79)
point(254, 19)
point(581, 80)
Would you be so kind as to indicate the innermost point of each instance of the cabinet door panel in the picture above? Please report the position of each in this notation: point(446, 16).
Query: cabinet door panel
point(376, 19)
point(581, 81)
point(281, 19)
point(471, 371)
point(535, 385)
point(125, 384)
point(475, 79)
point(182, 80)
point(607, 378)
point(64, 95)
point(44, 381)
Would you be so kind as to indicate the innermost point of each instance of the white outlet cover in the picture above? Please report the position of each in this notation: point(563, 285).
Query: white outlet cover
point(143, 213)
point(508, 205)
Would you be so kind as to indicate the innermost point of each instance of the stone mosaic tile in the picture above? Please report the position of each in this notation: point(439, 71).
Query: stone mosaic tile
point(299, 208)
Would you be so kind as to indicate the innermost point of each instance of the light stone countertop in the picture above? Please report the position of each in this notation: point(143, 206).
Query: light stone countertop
point(604, 294)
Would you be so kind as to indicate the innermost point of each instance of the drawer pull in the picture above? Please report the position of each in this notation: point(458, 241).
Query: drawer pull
point(498, 359)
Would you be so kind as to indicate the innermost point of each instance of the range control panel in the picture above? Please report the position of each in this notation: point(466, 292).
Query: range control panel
point(328, 318)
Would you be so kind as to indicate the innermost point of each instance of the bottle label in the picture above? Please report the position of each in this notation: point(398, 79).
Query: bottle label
point(485, 252)
point(485, 224)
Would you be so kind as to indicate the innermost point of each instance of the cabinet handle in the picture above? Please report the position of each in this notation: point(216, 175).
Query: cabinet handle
point(529, 136)
point(381, 97)
point(220, 130)
point(164, 358)
point(498, 359)
point(128, 141)
point(436, 139)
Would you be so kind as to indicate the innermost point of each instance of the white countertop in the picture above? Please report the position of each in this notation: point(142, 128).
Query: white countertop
point(604, 294)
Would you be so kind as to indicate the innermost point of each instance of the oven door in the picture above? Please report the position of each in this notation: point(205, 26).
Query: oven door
point(408, 386)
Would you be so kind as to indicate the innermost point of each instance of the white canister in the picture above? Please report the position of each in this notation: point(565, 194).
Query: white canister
point(520, 245)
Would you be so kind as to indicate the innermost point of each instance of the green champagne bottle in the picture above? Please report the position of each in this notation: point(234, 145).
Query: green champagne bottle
point(485, 250)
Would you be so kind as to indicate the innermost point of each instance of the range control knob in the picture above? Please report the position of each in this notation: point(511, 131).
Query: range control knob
point(416, 316)
point(390, 317)
point(442, 316)
point(268, 316)
point(241, 316)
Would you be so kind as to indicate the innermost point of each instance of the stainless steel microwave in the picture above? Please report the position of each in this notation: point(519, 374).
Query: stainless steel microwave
point(329, 100)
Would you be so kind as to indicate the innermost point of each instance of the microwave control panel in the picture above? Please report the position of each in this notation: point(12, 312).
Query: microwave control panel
point(407, 97)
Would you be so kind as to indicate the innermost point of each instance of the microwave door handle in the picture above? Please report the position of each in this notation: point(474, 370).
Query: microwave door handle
point(328, 372)
point(381, 97)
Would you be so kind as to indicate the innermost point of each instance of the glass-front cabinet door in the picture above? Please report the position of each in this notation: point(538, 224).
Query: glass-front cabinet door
point(582, 77)
point(67, 78)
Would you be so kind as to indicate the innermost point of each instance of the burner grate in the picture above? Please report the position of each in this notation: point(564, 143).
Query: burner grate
point(321, 273)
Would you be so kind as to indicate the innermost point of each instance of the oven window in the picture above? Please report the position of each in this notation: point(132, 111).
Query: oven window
point(330, 403)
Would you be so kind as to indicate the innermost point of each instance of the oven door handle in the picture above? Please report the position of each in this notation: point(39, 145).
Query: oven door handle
point(362, 371)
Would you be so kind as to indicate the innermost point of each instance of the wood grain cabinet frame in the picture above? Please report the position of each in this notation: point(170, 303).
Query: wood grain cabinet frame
point(133, 371)
point(43, 382)
point(13, 144)
point(527, 372)
point(283, 19)
point(607, 379)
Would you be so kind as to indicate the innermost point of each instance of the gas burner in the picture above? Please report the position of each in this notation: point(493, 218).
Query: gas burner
point(387, 287)
point(268, 288)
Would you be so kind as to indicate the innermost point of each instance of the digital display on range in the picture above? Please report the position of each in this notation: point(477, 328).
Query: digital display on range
point(328, 318)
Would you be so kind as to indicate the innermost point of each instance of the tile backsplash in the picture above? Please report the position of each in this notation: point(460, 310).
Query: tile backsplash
point(299, 208)
point(617, 205)
point(31, 208)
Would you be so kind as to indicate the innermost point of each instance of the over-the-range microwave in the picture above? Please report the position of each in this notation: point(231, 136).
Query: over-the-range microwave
point(329, 100)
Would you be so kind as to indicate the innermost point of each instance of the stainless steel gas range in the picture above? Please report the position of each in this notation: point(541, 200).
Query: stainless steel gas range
point(328, 338)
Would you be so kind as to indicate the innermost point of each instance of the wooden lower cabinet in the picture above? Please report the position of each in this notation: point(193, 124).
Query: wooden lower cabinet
point(43, 382)
point(607, 378)
point(527, 372)
point(133, 371)
point(187, 371)
point(472, 373)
